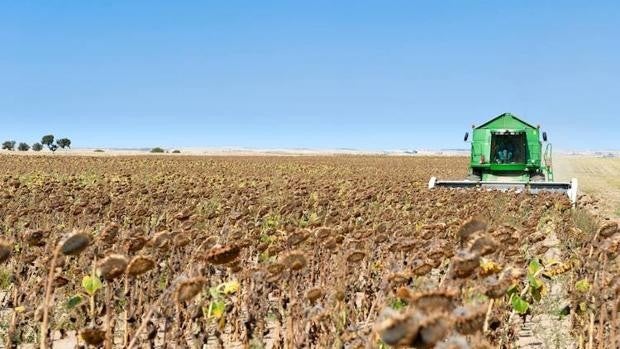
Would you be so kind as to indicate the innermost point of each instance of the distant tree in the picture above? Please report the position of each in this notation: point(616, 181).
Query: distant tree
point(99, 151)
point(64, 143)
point(8, 145)
point(53, 147)
point(37, 147)
point(157, 150)
point(23, 146)
point(176, 151)
point(47, 140)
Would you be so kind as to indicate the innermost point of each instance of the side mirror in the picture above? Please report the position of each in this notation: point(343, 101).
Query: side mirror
point(466, 137)
point(545, 136)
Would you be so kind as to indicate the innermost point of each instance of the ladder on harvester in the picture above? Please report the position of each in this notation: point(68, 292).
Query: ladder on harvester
point(548, 167)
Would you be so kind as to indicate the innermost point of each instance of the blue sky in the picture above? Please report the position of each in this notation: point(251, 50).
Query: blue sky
point(314, 74)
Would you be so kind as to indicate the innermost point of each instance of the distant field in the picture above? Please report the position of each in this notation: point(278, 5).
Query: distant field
point(597, 176)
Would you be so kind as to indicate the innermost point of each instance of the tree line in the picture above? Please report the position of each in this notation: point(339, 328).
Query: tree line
point(47, 141)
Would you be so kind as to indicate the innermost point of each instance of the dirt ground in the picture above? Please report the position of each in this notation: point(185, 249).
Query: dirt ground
point(598, 176)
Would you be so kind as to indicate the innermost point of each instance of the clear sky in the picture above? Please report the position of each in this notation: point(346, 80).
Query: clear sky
point(315, 74)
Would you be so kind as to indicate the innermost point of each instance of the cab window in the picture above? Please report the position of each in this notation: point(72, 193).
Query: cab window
point(508, 148)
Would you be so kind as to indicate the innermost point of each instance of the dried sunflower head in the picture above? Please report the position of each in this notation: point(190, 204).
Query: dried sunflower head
point(222, 254)
point(160, 239)
point(36, 237)
point(484, 245)
point(469, 319)
point(235, 267)
point(408, 245)
point(5, 251)
point(187, 225)
point(183, 215)
point(427, 234)
point(109, 233)
point(608, 229)
point(464, 263)
point(182, 239)
point(535, 237)
point(381, 227)
point(331, 243)
point(135, 244)
point(93, 336)
point(404, 292)
point(501, 234)
point(75, 243)
point(314, 293)
point(437, 251)
point(60, 281)
point(434, 301)
point(295, 260)
point(510, 240)
point(497, 286)
point(297, 237)
point(381, 238)
point(395, 247)
point(398, 279)
point(322, 233)
point(339, 294)
point(513, 251)
point(188, 289)
point(494, 287)
point(422, 267)
point(398, 329)
point(470, 227)
point(356, 256)
point(275, 268)
point(273, 277)
point(433, 330)
point(140, 265)
point(434, 263)
point(210, 241)
point(112, 266)
point(262, 246)
point(363, 234)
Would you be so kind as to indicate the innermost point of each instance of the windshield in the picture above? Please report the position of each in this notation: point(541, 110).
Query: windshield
point(508, 149)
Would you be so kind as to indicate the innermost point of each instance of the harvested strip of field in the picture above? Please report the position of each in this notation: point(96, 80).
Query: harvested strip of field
point(292, 252)
point(598, 176)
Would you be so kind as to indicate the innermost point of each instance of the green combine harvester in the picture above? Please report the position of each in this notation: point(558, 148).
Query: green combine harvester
point(507, 154)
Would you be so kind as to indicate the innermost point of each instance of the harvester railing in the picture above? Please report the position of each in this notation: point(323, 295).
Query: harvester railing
point(548, 165)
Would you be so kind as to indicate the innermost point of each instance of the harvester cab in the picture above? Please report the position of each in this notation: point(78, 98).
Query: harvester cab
point(507, 154)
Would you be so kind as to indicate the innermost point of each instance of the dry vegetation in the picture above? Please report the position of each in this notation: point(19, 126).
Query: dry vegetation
point(598, 176)
point(283, 252)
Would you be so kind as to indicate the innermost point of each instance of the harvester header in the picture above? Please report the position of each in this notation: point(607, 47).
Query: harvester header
point(509, 153)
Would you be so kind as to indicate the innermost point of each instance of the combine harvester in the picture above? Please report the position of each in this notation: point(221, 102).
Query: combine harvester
point(507, 154)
